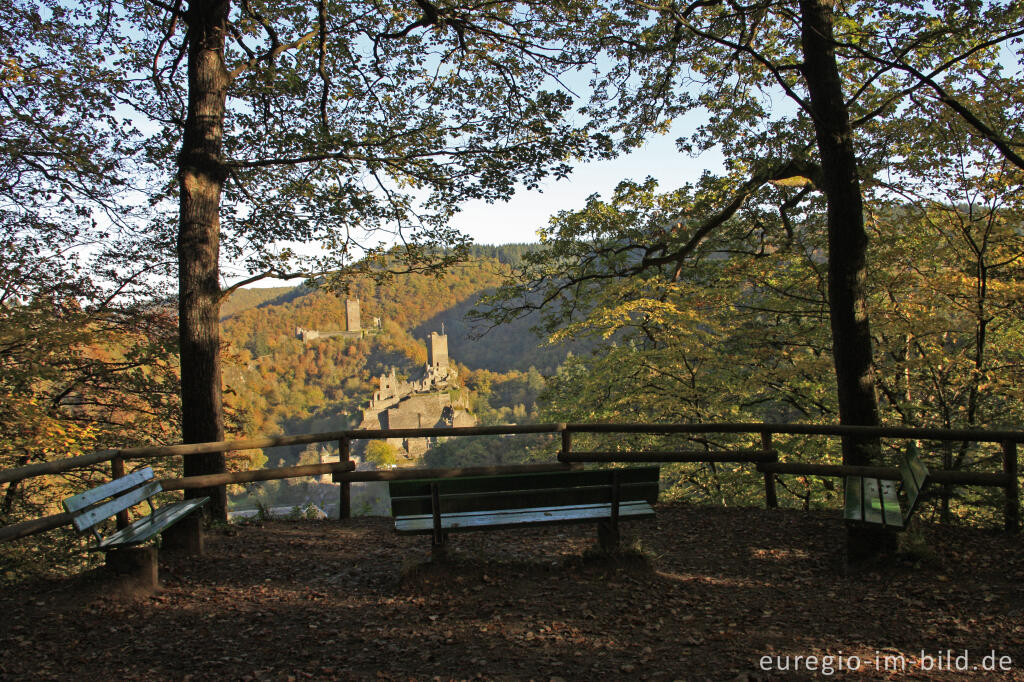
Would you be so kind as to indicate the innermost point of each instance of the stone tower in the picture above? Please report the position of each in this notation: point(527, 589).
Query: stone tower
point(352, 315)
point(437, 350)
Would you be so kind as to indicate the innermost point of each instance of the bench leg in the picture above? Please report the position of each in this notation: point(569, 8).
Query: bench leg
point(439, 550)
point(608, 535)
point(186, 536)
point(135, 568)
point(867, 544)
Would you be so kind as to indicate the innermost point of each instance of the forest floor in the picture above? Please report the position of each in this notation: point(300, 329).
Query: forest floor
point(707, 594)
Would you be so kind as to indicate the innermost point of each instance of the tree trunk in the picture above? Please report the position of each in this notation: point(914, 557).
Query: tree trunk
point(847, 242)
point(201, 179)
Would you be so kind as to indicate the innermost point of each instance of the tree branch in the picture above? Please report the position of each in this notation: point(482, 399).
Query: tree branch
point(276, 274)
point(272, 54)
point(1002, 144)
point(175, 9)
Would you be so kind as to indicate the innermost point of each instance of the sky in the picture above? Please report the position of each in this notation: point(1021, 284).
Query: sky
point(518, 220)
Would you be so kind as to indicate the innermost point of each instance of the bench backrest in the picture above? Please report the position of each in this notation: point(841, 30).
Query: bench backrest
point(524, 491)
point(915, 476)
point(123, 493)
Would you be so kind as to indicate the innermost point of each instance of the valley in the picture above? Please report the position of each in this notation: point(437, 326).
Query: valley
point(294, 363)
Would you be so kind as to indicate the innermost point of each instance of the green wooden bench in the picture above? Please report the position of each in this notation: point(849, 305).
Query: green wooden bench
point(95, 506)
point(875, 501)
point(437, 507)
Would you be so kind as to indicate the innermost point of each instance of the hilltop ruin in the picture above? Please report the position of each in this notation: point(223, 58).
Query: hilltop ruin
point(423, 401)
point(352, 330)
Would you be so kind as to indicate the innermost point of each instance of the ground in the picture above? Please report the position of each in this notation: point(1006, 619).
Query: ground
point(707, 594)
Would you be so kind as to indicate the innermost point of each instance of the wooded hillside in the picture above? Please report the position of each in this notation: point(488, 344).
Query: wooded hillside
point(280, 384)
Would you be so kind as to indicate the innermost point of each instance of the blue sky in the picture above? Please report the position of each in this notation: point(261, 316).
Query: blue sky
point(519, 219)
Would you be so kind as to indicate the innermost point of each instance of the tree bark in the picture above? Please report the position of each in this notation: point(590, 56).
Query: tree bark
point(847, 262)
point(847, 239)
point(201, 174)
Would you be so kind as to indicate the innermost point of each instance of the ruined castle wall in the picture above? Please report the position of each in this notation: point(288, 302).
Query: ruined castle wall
point(418, 411)
point(422, 402)
point(463, 418)
point(437, 350)
point(352, 315)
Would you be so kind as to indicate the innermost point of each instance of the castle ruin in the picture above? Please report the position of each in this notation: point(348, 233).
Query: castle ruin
point(352, 315)
point(352, 330)
point(420, 402)
point(437, 349)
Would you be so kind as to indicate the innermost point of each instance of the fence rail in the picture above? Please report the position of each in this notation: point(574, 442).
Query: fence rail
point(765, 458)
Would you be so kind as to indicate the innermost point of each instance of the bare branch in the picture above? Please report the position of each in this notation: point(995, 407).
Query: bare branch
point(321, 68)
point(276, 274)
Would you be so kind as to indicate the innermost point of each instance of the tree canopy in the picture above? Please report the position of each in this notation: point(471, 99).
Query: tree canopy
point(817, 109)
point(254, 127)
point(161, 138)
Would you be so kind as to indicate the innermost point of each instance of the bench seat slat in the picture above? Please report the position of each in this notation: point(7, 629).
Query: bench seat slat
point(509, 518)
point(521, 499)
point(853, 509)
point(915, 478)
point(91, 517)
point(101, 492)
point(144, 529)
point(889, 503)
point(872, 501)
point(525, 481)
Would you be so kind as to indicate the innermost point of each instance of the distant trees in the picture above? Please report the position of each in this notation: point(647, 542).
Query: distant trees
point(381, 453)
point(280, 384)
point(504, 397)
point(492, 450)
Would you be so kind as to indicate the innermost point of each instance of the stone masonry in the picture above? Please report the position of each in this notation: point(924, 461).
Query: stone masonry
point(421, 402)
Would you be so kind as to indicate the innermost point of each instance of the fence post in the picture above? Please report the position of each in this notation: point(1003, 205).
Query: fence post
point(1010, 464)
point(770, 498)
point(567, 446)
point(947, 489)
point(117, 471)
point(345, 495)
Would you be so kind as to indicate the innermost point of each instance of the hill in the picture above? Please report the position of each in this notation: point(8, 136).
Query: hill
point(244, 299)
point(278, 383)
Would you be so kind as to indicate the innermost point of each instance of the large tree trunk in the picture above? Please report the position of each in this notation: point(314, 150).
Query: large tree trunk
point(847, 243)
point(201, 178)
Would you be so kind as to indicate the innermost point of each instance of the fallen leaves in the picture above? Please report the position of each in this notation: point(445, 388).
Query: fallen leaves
point(289, 600)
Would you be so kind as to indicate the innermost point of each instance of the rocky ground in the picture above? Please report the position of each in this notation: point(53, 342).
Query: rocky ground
point(706, 594)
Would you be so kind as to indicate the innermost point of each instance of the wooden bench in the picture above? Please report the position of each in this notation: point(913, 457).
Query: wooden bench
point(123, 552)
point(437, 507)
point(875, 501)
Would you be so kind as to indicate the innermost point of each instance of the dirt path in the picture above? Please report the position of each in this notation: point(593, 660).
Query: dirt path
point(720, 594)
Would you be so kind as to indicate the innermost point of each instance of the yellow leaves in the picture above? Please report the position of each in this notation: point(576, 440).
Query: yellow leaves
point(10, 71)
point(60, 437)
point(795, 181)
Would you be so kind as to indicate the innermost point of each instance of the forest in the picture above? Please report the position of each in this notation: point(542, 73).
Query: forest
point(857, 259)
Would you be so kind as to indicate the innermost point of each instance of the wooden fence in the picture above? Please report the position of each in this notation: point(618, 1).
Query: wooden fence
point(765, 458)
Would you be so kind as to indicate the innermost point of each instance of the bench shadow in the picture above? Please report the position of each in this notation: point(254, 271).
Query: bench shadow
point(466, 565)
